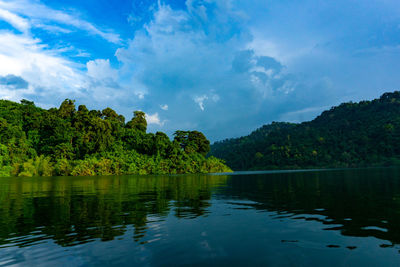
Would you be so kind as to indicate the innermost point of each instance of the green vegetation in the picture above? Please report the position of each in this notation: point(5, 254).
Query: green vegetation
point(75, 210)
point(349, 135)
point(66, 141)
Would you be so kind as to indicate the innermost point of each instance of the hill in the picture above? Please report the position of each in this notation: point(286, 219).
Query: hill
point(69, 141)
point(349, 135)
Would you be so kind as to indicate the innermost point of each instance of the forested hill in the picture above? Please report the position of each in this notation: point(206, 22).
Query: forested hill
point(70, 141)
point(349, 135)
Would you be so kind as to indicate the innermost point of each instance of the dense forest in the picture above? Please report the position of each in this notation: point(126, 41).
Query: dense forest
point(68, 141)
point(349, 135)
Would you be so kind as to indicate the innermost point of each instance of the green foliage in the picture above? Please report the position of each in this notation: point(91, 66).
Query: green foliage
point(138, 121)
point(349, 135)
point(39, 166)
point(192, 142)
point(66, 141)
point(63, 167)
point(5, 169)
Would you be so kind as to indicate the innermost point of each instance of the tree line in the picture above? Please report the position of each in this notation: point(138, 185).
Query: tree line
point(78, 141)
point(349, 135)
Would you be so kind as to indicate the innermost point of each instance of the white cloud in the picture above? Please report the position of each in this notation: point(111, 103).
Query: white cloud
point(101, 69)
point(52, 28)
point(200, 101)
point(28, 57)
point(39, 14)
point(179, 53)
point(50, 72)
point(17, 22)
point(154, 119)
point(50, 76)
point(140, 94)
point(264, 47)
point(164, 107)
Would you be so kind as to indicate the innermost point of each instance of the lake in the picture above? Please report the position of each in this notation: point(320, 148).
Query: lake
point(295, 218)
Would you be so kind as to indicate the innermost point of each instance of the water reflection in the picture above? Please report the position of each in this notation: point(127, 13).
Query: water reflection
point(361, 203)
point(74, 211)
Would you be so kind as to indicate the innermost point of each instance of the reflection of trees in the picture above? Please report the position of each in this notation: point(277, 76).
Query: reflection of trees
point(76, 210)
point(356, 202)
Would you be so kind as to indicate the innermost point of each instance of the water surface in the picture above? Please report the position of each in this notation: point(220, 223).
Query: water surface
point(328, 218)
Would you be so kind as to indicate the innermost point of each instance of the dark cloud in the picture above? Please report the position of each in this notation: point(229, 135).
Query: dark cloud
point(15, 82)
point(269, 63)
point(242, 61)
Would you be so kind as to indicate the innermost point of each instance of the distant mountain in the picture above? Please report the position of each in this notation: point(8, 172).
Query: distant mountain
point(349, 135)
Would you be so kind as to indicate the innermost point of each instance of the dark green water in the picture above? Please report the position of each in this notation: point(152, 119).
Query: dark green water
point(321, 218)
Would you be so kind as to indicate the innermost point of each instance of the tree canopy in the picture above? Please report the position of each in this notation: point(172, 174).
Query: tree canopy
point(70, 141)
point(349, 135)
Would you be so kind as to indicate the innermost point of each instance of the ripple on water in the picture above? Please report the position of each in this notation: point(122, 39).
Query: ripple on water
point(374, 228)
point(187, 219)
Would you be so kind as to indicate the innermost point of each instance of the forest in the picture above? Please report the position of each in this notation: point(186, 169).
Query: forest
point(349, 135)
point(74, 141)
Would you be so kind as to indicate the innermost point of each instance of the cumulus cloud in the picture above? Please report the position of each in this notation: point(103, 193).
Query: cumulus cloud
point(28, 58)
point(101, 69)
point(29, 69)
point(199, 60)
point(154, 119)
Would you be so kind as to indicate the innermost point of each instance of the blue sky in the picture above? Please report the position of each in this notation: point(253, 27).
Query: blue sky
point(221, 67)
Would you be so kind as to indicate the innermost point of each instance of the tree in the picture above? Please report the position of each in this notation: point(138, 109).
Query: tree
point(162, 144)
point(138, 121)
point(109, 113)
point(67, 109)
point(192, 142)
point(27, 102)
point(199, 142)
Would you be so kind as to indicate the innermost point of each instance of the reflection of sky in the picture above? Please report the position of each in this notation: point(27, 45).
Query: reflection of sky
point(222, 67)
point(291, 217)
point(229, 234)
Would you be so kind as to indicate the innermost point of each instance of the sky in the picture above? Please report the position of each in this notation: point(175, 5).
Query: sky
point(222, 67)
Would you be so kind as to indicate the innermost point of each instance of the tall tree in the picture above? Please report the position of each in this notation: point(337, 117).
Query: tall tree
point(138, 121)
